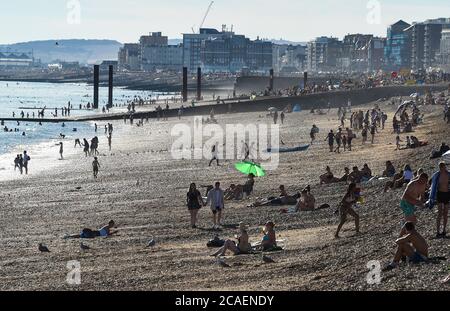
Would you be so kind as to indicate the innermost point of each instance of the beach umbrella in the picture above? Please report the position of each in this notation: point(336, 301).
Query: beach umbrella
point(446, 157)
point(247, 168)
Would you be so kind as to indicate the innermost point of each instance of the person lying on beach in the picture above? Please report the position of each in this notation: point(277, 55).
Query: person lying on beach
point(346, 174)
point(87, 233)
point(328, 177)
point(242, 247)
point(411, 245)
point(233, 192)
point(283, 199)
point(307, 202)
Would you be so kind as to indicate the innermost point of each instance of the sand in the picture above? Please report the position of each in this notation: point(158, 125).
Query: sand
point(144, 190)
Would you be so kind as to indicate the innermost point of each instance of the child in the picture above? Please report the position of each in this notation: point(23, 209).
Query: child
point(397, 141)
point(95, 167)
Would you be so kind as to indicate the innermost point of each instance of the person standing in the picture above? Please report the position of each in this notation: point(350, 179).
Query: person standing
point(214, 155)
point(346, 208)
point(61, 150)
point(412, 197)
point(440, 195)
point(25, 159)
point(109, 141)
point(373, 130)
point(95, 167)
point(330, 138)
point(282, 117)
point(350, 137)
point(17, 163)
point(275, 117)
point(216, 199)
point(194, 203)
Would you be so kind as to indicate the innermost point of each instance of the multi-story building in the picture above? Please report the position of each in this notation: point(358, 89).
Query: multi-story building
point(397, 52)
point(129, 57)
point(426, 42)
point(293, 59)
point(156, 53)
point(445, 50)
point(376, 54)
point(224, 51)
point(324, 55)
point(355, 53)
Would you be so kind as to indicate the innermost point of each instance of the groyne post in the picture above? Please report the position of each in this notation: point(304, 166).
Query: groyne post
point(199, 83)
point(110, 86)
point(185, 84)
point(96, 85)
point(271, 80)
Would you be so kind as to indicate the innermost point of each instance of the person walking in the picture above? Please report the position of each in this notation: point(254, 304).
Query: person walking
point(25, 159)
point(194, 202)
point(216, 199)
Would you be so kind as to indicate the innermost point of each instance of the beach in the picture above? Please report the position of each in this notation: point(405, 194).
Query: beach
point(144, 190)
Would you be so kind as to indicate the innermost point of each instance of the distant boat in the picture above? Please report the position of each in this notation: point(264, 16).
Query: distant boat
point(285, 150)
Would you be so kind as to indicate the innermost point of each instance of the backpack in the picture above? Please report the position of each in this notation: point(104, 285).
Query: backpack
point(216, 242)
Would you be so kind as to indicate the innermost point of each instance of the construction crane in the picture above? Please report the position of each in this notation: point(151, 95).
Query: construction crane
point(206, 15)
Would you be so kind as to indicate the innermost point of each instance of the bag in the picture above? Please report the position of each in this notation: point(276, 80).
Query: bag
point(216, 242)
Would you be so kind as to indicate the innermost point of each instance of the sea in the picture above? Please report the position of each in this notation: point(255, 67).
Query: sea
point(17, 95)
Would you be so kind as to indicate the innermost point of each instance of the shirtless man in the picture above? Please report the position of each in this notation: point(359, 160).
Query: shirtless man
point(412, 198)
point(95, 167)
point(440, 194)
point(412, 245)
point(307, 202)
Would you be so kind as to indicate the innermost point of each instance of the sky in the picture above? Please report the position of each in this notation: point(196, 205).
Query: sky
point(127, 20)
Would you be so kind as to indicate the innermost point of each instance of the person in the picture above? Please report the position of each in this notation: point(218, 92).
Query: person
point(109, 141)
point(214, 156)
point(275, 117)
point(61, 150)
point(389, 170)
point(215, 197)
point(328, 177)
point(346, 174)
point(86, 147)
point(95, 167)
point(330, 138)
point(269, 240)
point(364, 135)
point(344, 142)
point(25, 159)
point(243, 245)
point(338, 138)
point(440, 195)
point(366, 173)
point(17, 163)
point(307, 202)
point(194, 202)
point(345, 208)
point(77, 142)
point(412, 197)
point(355, 176)
point(312, 134)
point(282, 117)
point(249, 184)
point(86, 233)
point(373, 130)
point(350, 137)
point(283, 199)
point(397, 142)
point(411, 245)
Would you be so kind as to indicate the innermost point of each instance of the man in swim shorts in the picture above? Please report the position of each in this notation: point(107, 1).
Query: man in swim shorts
point(440, 194)
point(412, 197)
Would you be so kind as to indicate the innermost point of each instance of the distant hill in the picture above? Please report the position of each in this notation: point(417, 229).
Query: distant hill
point(83, 51)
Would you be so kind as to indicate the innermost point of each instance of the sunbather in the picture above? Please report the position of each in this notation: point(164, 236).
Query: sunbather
point(242, 247)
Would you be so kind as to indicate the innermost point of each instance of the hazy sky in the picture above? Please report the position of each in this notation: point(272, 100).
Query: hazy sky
point(126, 20)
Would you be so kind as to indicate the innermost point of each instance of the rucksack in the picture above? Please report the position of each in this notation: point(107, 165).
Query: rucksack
point(216, 242)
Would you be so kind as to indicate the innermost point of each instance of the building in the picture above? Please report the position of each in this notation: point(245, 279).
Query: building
point(324, 55)
point(16, 59)
point(289, 59)
point(376, 54)
point(397, 52)
point(225, 52)
point(444, 54)
point(426, 42)
point(355, 53)
point(129, 57)
point(157, 54)
point(104, 66)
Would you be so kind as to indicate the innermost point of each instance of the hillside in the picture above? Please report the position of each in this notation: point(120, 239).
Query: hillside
point(83, 51)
